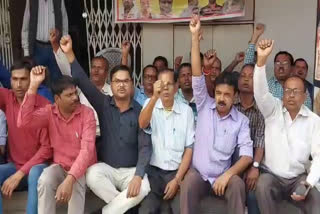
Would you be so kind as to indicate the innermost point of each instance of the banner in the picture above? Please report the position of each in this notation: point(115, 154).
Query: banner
point(317, 67)
point(168, 11)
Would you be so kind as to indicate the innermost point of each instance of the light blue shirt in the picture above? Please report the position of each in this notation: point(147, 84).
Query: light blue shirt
point(3, 129)
point(140, 96)
point(171, 132)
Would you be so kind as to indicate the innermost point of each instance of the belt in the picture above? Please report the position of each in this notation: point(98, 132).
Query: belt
point(43, 43)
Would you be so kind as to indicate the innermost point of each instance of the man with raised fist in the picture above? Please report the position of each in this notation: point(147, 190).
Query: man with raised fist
point(171, 125)
point(291, 136)
point(71, 131)
point(119, 178)
point(220, 129)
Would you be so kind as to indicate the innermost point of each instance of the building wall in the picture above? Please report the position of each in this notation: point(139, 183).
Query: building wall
point(292, 24)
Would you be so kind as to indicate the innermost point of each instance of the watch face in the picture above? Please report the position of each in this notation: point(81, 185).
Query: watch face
point(256, 164)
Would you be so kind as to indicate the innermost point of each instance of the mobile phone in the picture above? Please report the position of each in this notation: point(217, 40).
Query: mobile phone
point(302, 190)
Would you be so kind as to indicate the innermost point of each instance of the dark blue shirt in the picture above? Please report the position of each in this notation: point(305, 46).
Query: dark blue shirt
point(122, 142)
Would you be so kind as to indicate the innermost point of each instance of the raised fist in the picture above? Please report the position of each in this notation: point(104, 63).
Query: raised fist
point(157, 88)
point(259, 29)
point(239, 57)
point(66, 44)
point(209, 58)
point(37, 75)
point(125, 46)
point(54, 35)
point(265, 47)
point(195, 24)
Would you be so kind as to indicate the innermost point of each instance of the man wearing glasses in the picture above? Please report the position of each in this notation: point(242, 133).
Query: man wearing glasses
point(119, 178)
point(149, 74)
point(291, 136)
point(283, 62)
point(171, 125)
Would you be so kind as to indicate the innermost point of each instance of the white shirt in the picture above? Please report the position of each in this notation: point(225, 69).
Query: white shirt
point(170, 133)
point(288, 143)
point(65, 69)
point(46, 22)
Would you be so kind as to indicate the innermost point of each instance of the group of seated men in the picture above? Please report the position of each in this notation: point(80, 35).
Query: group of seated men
point(184, 135)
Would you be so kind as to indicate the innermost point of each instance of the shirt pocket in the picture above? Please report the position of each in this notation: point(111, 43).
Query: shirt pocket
point(225, 144)
point(129, 133)
point(179, 138)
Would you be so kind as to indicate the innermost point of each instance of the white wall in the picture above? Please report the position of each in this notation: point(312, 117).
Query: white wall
point(171, 41)
point(291, 23)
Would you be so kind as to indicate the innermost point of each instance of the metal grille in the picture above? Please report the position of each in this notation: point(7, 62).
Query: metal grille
point(103, 33)
point(5, 34)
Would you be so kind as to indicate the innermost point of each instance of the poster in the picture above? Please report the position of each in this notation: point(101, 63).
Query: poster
point(317, 67)
point(168, 11)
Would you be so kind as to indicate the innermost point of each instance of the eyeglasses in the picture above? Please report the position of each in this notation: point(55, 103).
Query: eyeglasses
point(150, 77)
point(124, 82)
point(285, 64)
point(294, 91)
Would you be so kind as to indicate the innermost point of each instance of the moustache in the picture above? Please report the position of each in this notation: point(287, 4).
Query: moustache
point(222, 103)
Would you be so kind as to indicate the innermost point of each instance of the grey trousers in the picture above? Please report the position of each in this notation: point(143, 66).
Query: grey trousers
point(158, 180)
point(194, 189)
point(48, 183)
point(272, 189)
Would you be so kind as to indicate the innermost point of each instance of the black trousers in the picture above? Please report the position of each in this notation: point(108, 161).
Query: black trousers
point(158, 180)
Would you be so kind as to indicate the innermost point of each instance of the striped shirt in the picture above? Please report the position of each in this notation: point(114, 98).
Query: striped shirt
point(276, 90)
point(46, 22)
point(256, 123)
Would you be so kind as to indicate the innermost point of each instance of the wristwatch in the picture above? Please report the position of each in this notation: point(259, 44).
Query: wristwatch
point(256, 164)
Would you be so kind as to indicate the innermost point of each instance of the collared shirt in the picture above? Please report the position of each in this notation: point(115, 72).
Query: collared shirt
point(171, 134)
point(27, 147)
point(179, 96)
point(256, 123)
point(65, 68)
point(3, 129)
point(46, 22)
point(106, 89)
point(72, 140)
point(216, 137)
point(276, 90)
point(122, 143)
point(140, 96)
point(250, 54)
point(5, 78)
point(288, 143)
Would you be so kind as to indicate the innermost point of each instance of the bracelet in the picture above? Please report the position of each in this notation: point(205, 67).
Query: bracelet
point(206, 72)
